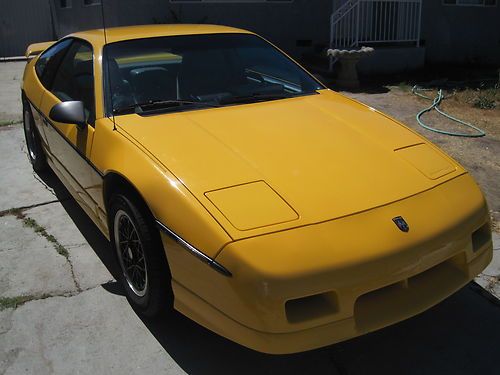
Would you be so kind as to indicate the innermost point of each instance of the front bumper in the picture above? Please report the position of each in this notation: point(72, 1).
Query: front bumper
point(396, 306)
point(316, 285)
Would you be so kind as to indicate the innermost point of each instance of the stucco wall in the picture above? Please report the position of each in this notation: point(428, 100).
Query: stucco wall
point(22, 23)
point(461, 34)
point(451, 34)
point(282, 23)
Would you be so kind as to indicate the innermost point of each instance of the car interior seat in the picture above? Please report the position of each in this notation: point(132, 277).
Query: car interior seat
point(83, 81)
point(120, 89)
point(153, 83)
point(204, 73)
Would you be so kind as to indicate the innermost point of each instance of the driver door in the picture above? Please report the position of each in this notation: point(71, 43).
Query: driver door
point(69, 145)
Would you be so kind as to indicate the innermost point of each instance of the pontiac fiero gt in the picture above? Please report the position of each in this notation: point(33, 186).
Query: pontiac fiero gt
point(236, 188)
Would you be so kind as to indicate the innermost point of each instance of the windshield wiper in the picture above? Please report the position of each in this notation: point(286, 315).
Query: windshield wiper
point(159, 104)
point(256, 97)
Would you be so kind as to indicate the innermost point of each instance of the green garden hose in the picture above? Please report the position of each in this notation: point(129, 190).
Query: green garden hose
point(435, 105)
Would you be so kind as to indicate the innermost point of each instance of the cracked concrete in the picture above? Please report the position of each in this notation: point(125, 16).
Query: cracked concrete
point(78, 320)
point(71, 315)
point(19, 188)
point(88, 269)
point(10, 95)
point(30, 265)
point(93, 339)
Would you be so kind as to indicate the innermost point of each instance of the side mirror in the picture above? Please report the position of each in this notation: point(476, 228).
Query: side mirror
point(71, 112)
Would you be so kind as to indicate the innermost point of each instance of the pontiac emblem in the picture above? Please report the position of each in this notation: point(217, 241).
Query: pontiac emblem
point(401, 223)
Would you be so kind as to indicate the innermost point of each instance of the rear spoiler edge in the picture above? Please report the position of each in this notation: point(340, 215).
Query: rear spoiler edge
point(36, 48)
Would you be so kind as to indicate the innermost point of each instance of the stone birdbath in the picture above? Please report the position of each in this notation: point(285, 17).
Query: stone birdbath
point(348, 59)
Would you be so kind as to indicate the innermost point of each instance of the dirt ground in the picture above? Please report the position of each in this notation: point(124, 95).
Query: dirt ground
point(480, 156)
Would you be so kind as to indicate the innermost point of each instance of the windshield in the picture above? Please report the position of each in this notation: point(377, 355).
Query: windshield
point(190, 71)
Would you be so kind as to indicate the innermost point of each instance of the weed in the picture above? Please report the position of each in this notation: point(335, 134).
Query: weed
point(14, 302)
point(10, 122)
point(483, 102)
point(404, 86)
point(31, 223)
point(482, 97)
point(61, 250)
point(17, 212)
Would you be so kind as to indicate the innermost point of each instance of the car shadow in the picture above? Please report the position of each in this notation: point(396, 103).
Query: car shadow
point(87, 228)
point(459, 336)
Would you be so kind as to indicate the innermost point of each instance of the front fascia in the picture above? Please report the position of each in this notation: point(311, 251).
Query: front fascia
point(348, 257)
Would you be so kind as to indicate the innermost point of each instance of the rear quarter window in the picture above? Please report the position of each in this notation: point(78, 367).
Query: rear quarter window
point(48, 63)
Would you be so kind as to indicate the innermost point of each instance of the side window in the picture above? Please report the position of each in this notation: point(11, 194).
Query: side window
point(49, 61)
point(75, 77)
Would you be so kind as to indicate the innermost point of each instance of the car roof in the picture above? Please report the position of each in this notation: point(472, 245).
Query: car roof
point(116, 34)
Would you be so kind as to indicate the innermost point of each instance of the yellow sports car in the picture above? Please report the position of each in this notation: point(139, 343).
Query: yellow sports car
point(239, 190)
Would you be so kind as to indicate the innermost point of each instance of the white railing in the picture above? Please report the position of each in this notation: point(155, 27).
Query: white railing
point(375, 21)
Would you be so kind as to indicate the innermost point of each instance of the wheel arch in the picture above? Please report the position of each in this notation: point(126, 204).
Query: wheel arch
point(113, 183)
point(159, 296)
point(167, 204)
point(25, 101)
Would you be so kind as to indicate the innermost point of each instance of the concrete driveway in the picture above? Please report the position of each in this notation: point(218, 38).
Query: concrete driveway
point(62, 312)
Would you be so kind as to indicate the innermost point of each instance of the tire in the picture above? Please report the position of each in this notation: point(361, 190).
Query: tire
point(146, 281)
point(33, 142)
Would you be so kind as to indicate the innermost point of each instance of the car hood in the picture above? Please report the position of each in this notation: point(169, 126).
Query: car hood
point(273, 165)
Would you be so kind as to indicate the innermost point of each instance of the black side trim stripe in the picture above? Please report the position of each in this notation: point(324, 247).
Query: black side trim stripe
point(194, 251)
point(48, 121)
